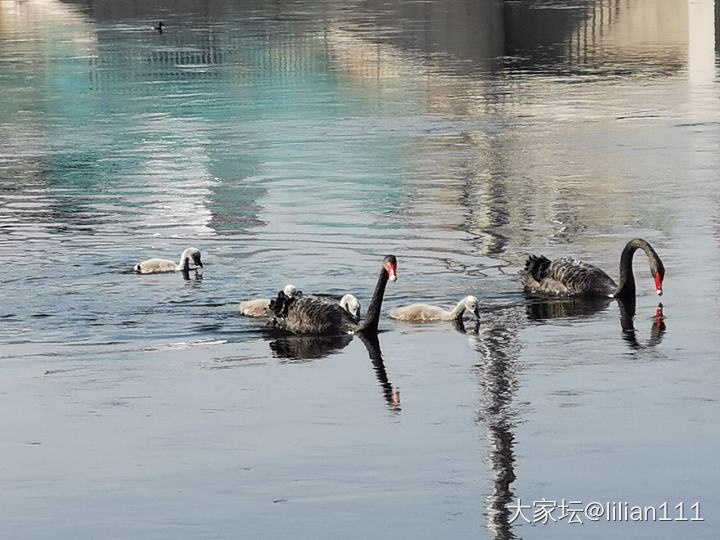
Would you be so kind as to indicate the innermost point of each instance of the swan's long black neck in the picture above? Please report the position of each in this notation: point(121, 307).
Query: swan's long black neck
point(626, 282)
point(372, 317)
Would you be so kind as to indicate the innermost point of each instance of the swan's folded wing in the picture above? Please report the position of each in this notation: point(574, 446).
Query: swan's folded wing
point(417, 313)
point(156, 266)
point(567, 276)
point(254, 308)
point(313, 315)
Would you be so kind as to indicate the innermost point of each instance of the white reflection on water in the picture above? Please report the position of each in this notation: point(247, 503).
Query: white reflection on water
point(701, 41)
point(174, 183)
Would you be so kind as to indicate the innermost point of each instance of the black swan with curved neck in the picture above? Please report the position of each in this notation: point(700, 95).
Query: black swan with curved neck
point(312, 315)
point(568, 277)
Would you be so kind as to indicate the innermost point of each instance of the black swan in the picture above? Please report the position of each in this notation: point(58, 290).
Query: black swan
point(159, 266)
point(568, 277)
point(159, 27)
point(427, 313)
point(259, 306)
point(318, 316)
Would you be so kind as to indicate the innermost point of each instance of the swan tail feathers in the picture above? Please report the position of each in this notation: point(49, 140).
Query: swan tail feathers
point(537, 267)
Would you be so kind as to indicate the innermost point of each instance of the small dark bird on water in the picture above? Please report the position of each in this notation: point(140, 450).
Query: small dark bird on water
point(159, 27)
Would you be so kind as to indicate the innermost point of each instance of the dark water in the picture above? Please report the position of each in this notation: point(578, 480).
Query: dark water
point(300, 142)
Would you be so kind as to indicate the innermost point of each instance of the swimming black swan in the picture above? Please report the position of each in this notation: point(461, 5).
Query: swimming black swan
point(427, 313)
point(259, 306)
point(318, 316)
point(159, 266)
point(568, 277)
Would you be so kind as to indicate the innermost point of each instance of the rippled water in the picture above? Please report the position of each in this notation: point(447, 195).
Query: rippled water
point(300, 142)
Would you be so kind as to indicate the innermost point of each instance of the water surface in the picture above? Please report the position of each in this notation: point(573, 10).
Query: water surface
point(301, 142)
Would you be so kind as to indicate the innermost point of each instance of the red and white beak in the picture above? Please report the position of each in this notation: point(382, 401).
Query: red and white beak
point(390, 267)
point(658, 284)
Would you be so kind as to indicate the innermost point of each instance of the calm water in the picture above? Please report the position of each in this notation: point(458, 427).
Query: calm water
point(300, 142)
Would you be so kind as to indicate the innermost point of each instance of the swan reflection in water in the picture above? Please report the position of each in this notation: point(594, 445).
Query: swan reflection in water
point(295, 348)
point(657, 325)
point(305, 348)
point(191, 275)
point(540, 309)
point(496, 339)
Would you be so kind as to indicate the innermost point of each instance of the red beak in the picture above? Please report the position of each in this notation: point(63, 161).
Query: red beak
point(391, 271)
point(658, 284)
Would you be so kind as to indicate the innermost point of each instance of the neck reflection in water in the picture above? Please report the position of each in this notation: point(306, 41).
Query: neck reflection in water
point(498, 344)
point(576, 308)
point(657, 326)
point(390, 393)
point(496, 338)
point(292, 348)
